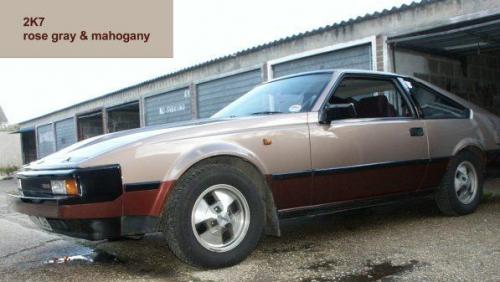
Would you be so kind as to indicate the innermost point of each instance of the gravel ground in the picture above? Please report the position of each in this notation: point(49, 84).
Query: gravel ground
point(411, 242)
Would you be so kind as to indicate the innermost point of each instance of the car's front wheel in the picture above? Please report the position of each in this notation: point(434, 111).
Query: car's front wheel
point(461, 188)
point(214, 216)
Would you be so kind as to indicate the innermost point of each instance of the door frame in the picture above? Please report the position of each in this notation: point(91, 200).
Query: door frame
point(395, 79)
point(420, 162)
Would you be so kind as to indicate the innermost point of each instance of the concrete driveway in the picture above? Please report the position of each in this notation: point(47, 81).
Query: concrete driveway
point(411, 242)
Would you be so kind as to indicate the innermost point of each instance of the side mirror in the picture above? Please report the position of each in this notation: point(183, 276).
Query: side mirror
point(336, 112)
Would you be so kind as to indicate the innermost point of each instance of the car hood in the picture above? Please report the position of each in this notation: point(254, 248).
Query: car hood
point(77, 153)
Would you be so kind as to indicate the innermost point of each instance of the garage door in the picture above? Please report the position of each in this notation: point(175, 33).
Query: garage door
point(215, 94)
point(65, 133)
point(358, 57)
point(168, 107)
point(45, 140)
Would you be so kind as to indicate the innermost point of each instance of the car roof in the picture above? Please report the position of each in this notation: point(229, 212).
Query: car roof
point(331, 71)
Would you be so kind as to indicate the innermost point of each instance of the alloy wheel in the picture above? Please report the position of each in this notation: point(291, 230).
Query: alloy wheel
point(466, 182)
point(220, 218)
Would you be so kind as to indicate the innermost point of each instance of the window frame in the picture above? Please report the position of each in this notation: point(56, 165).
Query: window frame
point(432, 91)
point(389, 78)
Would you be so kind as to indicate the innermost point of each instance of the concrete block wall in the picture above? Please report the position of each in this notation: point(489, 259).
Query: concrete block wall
point(476, 77)
point(10, 149)
point(380, 53)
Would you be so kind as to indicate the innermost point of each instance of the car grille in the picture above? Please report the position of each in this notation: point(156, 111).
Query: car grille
point(37, 186)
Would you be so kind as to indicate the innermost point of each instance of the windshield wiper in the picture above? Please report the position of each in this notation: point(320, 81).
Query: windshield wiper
point(266, 113)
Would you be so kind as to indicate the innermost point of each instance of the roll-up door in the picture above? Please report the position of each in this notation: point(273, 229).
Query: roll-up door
point(168, 107)
point(45, 140)
point(358, 57)
point(65, 133)
point(215, 94)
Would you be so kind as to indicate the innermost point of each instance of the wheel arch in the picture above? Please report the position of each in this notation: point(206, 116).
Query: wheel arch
point(198, 153)
point(474, 148)
point(250, 166)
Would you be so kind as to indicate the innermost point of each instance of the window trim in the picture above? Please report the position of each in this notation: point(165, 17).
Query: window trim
point(373, 120)
point(389, 78)
point(435, 92)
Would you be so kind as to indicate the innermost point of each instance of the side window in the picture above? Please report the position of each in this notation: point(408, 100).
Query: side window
point(434, 105)
point(370, 98)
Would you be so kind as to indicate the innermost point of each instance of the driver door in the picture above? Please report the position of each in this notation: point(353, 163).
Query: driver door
point(380, 150)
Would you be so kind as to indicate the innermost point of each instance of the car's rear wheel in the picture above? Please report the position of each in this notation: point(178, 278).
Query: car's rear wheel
point(214, 215)
point(462, 186)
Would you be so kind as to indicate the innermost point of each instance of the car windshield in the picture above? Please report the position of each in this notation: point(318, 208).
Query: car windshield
point(289, 95)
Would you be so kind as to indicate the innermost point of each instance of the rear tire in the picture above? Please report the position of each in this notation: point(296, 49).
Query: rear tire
point(214, 216)
point(462, 185)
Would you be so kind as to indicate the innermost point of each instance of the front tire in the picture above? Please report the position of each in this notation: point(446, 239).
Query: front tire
point(215, 215)
point(462, 186)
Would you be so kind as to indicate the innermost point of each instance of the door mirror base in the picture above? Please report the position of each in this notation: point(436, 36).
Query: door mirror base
point(333, 112)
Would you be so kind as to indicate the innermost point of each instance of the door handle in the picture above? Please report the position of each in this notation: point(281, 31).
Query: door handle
point(416, 131)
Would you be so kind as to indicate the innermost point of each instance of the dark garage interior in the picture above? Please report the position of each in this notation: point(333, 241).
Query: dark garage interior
point(123, 117)
point(90, 125)
point(462, 58)
point(28, 144)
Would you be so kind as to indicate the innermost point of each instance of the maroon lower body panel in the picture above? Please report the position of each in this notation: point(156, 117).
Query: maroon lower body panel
point(291, 192)
point(148, 202)
point(435, 172)
point(353, 183)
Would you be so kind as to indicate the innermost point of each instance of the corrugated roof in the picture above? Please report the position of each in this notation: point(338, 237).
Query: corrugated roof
point(326, 28)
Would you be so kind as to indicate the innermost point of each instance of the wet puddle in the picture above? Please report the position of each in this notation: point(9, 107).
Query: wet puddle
point(372, 272)
point(94, 256)
point(379, 271)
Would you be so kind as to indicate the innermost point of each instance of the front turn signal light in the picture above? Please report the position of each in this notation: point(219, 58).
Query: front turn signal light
point(71, 187)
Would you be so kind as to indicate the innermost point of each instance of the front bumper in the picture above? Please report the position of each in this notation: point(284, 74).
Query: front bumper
point(52, 216)
point(105, 209)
